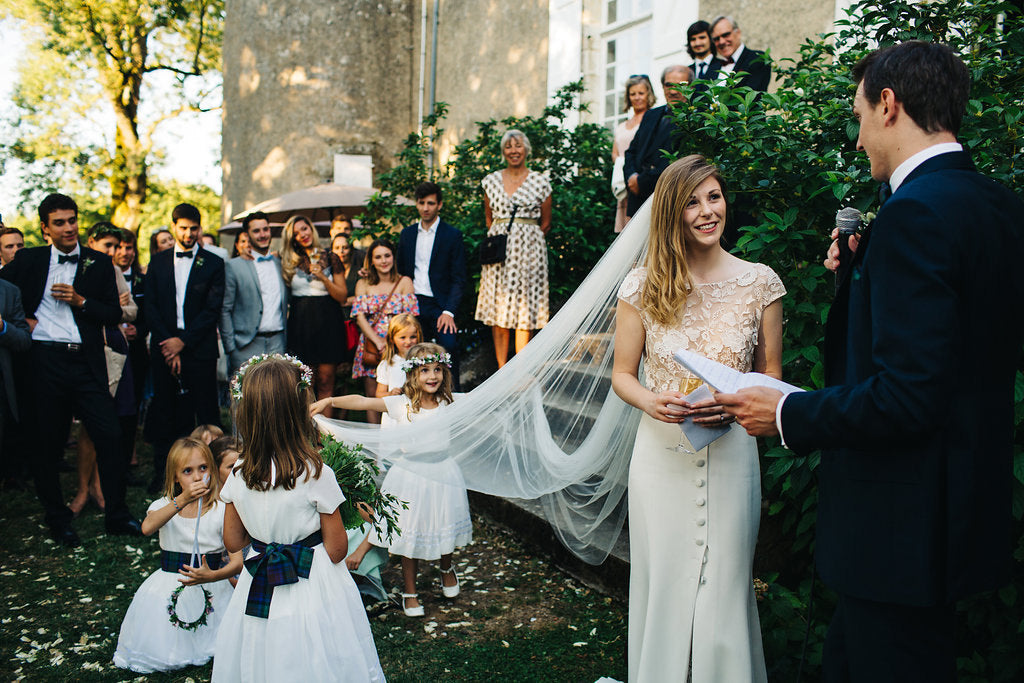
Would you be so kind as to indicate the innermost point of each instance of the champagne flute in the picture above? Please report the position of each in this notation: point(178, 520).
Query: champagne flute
point(686, 386)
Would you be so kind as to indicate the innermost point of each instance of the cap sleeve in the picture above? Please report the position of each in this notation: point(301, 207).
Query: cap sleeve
point(629, 290)
point(227, 491)
point(769, 286)
point(324, 492)
point(396, 405)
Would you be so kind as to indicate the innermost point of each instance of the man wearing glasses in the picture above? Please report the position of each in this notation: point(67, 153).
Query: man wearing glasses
point(737, 58)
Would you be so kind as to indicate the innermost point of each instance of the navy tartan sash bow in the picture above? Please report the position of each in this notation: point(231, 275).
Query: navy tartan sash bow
point(172, 561)
point(277, 564)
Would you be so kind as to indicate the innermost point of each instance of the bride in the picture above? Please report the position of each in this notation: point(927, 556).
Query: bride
point(693, 517)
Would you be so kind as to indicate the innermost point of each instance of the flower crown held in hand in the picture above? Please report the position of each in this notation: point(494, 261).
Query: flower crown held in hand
point(410, 363)
point(305, 374)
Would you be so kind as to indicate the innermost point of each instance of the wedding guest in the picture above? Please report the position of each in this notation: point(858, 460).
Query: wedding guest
point(105, 237)
point(11, 240)
point(315, 278)
point(15, 339)
point(433, 254)
point(639, 98)
point(340, 224)
point(514, 292)
point(159, 241)
point(210, 245)
point(69, 293)
point(736, 57)
point(383, 293)
point(255, 309)
point(127, 259)
point(184, 294)
point(352, 260)
point(241, 246)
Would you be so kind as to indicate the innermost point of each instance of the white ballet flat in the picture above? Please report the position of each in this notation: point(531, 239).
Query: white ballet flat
point(450, 591)
point(412, 611)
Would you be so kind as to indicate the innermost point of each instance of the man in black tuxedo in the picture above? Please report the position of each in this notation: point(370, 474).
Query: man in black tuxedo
point(735, 57)
point(432, 253)
point(644, 161)
point(921, 350)
point(184, 292)
point(69, 294)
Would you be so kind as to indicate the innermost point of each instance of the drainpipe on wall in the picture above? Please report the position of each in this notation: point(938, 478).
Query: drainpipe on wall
point(433, 78)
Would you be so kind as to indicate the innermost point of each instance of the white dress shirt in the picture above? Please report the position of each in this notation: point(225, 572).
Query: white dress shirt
point(424, 248)
point(182, 269)
point(896, 179)
point(705, 63)
point(270, 292)
point(55, 321)
point(729, 68)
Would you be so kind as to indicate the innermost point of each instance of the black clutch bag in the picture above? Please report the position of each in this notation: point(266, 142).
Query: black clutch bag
point(492, 249)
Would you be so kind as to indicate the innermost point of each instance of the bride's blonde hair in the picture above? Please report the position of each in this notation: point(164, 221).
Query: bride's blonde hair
point(668, 277)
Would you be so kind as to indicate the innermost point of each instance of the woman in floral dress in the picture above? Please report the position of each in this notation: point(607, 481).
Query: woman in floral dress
point(382, 288)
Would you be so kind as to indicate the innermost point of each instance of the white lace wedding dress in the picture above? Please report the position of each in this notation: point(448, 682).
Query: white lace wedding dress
point(693, 518)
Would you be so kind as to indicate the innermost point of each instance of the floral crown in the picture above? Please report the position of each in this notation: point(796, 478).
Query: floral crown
point(305, 374)
point(442, 358)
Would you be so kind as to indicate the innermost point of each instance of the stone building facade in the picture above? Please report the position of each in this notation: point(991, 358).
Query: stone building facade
point(307, 80)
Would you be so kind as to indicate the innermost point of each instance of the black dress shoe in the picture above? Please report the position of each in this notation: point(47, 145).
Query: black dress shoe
point(129, 527)
point(65, 536)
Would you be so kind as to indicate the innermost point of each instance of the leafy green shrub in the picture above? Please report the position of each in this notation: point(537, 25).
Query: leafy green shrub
point(577, 161)
point(791, 163)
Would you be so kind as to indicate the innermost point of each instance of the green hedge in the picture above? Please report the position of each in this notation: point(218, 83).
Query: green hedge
point(791, 163)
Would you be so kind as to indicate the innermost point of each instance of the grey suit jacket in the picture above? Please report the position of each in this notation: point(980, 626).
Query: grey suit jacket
point(16, 338)
point(243, 303)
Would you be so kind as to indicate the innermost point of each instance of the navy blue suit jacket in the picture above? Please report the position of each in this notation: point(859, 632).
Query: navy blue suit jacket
point(204, 294)
point(447, 268)
point(645, 156)
point(922, 344)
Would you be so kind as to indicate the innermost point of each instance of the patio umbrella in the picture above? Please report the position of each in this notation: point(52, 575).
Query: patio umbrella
point(318, 203)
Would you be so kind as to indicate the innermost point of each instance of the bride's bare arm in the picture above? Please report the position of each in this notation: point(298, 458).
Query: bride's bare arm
point(629, 347)
point(768, 352)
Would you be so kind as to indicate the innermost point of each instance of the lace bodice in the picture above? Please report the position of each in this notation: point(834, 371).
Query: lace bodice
point(720, 321)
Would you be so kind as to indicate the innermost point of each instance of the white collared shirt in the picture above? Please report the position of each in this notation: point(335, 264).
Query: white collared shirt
point(903, 170)
point(896, 179)
point(182, 269)
point(54, 319)
point(424, 247)
point(706, 62)
point(729, 68)
point(270, 292)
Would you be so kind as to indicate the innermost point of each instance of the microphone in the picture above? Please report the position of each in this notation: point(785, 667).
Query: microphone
point(848, 221)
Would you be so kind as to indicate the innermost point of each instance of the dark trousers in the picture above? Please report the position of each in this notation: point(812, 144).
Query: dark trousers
point(178, 408)
point(875, 642)
point(430, 311)
point(66, 385)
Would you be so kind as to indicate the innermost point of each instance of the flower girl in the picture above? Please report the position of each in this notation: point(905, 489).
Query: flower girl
point(404, 332)
point(173, 618)
point(296, 614)
point(437, 520)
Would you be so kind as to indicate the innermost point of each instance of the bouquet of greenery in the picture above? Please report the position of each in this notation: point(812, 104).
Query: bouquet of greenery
point(355, 472)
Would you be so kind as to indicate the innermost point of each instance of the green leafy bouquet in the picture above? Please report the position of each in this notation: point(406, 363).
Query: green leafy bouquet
point(355, 472)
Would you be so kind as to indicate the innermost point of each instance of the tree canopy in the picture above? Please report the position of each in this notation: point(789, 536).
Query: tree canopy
point(88, 69)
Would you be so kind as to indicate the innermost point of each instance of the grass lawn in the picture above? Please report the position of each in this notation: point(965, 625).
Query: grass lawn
point(518, 617)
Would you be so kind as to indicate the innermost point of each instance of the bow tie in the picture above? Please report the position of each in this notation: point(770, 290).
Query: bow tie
point(63, 258)
point(183, 254)
point(261, 259)
point(727, 60)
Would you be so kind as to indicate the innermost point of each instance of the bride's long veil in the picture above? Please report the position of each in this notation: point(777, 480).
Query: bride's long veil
point(547, 427)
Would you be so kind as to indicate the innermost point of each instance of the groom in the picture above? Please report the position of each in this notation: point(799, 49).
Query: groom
point(916, 423)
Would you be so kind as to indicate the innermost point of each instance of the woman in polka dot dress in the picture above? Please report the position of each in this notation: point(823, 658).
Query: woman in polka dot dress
point(514, 294)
